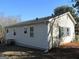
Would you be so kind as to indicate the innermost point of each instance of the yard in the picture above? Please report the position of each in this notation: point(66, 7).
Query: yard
point(18, 52)
point(65, 51)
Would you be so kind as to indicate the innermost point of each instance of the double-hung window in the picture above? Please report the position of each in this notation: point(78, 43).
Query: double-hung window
point(31, 31)
point(14, 33)
point(64, 31)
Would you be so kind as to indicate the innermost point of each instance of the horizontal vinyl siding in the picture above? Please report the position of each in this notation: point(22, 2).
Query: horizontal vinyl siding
point(65, 21)
point(39, 39)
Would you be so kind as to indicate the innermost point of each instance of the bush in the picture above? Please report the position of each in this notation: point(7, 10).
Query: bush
point(77, 37)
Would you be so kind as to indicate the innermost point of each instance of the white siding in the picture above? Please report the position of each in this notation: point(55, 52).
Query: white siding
point(53, 36)
point(64, 21)
point(44, 37)
point(50, 30)
point(9, 35)
point(67, 22)
point(39, 39)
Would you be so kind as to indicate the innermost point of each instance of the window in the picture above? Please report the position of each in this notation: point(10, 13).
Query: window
point(68, 31)
point(31, 28)
point(25, 30)
point(63, 31)
point(14, 33)
point(31, 31)
point(7, 30)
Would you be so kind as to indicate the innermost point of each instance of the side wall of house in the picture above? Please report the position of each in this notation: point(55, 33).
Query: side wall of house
point(53, 31)
point(38, 41)
point(65, 22)
point(50, 33)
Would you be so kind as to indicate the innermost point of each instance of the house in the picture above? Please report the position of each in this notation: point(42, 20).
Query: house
point(43, 33)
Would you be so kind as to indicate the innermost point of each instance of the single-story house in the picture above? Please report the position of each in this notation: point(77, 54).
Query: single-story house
point(43, 33)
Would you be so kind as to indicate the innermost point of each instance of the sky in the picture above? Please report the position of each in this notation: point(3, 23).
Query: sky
point(30, 9)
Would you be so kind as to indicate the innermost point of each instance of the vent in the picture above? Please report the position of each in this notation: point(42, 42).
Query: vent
point(52, 15)
point(37, 18)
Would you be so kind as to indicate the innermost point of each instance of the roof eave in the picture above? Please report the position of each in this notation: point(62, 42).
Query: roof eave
point(72, 18)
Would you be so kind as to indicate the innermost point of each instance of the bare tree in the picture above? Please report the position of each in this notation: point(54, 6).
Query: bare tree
point(6, 21)
point(9, 20)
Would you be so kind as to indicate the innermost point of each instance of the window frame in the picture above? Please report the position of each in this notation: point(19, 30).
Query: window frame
point(32, 31)
point(64, 31)
point(7, 30)
point(14, 33)
point(25, 30)
point(68, 31)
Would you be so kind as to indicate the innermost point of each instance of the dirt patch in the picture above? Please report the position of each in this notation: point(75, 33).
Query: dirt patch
point(18, 52)
point(70, 45)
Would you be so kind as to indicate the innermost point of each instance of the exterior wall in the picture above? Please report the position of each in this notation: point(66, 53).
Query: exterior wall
point(64, 21)
point(53, 31)
point(46, 36)
point(39, 39)
point(9, 35)
point(50, 31)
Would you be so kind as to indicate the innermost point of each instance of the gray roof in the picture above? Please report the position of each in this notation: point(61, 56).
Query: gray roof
point(37, 20)
point(40, 20)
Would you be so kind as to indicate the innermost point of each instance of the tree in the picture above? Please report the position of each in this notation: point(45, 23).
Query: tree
point(76, 5)
point(6, 21)
point(63, 9)
point(9, 20)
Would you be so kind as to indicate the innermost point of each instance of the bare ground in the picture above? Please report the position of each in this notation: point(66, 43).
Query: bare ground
point(55, 53)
